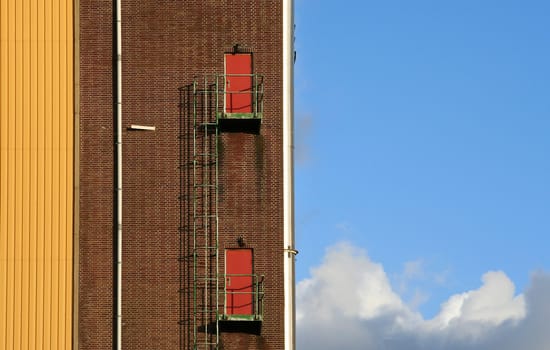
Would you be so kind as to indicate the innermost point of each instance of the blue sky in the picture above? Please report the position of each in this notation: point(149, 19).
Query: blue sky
point(423, 141)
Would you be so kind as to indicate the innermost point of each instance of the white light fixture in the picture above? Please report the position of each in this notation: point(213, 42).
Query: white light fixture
point(142, 127)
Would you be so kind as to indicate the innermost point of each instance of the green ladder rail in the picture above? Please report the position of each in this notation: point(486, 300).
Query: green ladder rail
point(205, 217)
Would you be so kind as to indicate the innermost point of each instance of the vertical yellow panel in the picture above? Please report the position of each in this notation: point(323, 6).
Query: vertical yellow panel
point(25, 171)
point(33, 186)
point(48, 181)
point(67, 184)
point(41, 199)
point(18, 171)
point(4, 78)
point(54, 302)
point(11, 179)
point(73, 173)
point(36, 162)
point(62, 175)
point(3, 171)
point(66, 169)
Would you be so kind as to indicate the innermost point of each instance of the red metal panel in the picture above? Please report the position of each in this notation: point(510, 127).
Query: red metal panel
point(239, 289)
point(238, 70)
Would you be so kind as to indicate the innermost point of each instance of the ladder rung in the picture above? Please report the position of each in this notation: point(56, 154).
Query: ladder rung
point(208, 311)
point(205, 154)
point(204, 165)
point(204, 185)
point(208, 344)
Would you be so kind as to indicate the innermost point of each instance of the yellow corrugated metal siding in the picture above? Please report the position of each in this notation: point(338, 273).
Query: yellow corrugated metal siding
point(36, 173)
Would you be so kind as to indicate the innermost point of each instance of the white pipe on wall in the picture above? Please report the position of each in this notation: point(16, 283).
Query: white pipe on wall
point(288, 174)
point(118, 10)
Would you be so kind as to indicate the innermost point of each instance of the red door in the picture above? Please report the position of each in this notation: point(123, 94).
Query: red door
point(239, 283)
point(238, 83)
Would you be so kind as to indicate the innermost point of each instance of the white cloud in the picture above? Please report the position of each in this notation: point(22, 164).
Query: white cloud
point(347, 284)
point(348, 302)
point(493, 303)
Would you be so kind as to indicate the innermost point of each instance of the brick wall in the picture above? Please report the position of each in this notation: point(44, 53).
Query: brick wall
point(96, 176)
point(165, 45)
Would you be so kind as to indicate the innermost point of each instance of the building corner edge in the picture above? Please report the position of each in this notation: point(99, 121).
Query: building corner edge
point(289, 250)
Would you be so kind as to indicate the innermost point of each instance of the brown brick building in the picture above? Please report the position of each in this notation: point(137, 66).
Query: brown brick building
point(184, 217)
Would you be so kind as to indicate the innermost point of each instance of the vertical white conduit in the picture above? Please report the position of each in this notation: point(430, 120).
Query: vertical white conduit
point(288, 174)
point(118, 10)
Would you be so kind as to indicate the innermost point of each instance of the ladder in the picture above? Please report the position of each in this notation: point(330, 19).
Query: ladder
point(205, 265)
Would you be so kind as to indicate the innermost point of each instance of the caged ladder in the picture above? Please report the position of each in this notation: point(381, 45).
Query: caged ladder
point(205, 216)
